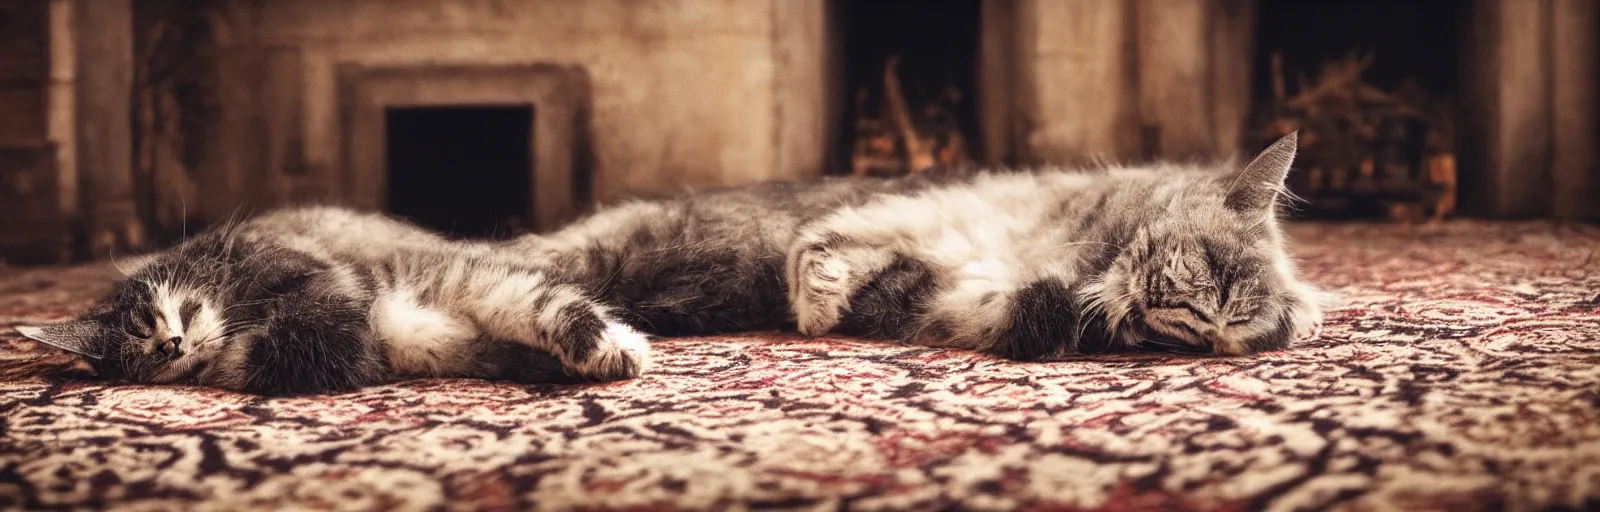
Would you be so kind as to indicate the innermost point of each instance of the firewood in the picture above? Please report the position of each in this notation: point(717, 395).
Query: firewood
point(896, 133)
point(1442, 177)
point(873, 151)
point(1337, 78)
point(918, 157)
point(1368, 151)
point(954, 152)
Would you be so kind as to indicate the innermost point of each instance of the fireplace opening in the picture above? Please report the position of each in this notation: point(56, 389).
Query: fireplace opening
point(462, 170)
point(1369, 84)
point(909, 79)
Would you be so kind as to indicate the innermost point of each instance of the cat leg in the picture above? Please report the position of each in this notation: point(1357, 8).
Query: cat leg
point(888, 306)
point(906, 300)
point(872, 283)
point(1039, 319)
point(314, 340)
point(823, 272)
point(562, 320)
point(1045, 318)
point(848, 285)
point(1305, 307)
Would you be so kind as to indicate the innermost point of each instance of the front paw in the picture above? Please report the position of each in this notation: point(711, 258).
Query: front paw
point(1305, 315)
point(1307, 323)
point(619, 353)
point(822, 292)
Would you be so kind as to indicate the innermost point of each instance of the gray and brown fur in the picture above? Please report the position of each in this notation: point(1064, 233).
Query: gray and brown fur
point(1021, 264)
point(1042, 264)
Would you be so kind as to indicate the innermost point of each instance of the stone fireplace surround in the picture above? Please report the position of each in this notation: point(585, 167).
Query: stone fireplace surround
point(559, 146)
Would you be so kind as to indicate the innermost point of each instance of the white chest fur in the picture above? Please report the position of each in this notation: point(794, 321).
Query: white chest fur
point(422, 341)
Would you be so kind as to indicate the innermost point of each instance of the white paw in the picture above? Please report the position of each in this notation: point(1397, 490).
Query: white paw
point(1307, 317)
point(1307, 324)
point(823, 292)
point(621, 353)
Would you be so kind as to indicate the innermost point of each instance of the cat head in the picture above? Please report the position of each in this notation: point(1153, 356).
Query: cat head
point(164, 323)
point(1208, 272)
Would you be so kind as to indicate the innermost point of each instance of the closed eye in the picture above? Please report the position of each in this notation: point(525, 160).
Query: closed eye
point(140, 324)
point(1192, 332)
point(187, 311)
point(1201, 315)
point(1238, 321)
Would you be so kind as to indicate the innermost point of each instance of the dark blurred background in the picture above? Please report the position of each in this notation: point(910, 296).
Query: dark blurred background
point(124, 123)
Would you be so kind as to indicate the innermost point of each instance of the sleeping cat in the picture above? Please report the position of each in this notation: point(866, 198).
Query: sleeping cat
point(1025, 265)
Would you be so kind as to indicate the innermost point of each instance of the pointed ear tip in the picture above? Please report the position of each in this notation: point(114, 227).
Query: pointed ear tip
point(37, 333)
point(30, 331)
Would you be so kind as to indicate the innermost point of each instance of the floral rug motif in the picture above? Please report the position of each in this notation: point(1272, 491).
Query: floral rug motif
point(1461, 371)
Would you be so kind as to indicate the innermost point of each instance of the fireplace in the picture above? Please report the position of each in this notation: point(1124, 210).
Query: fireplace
point(909, 74)
point(471, 150)
point(1371, 86)
point(464, 171)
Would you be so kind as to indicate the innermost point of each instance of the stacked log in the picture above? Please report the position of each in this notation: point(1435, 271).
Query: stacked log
point(893, 139)
point(1364, 152)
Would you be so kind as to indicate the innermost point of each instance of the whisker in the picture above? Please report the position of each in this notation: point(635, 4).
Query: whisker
point(1156, 343)
point(1092, 308)
point(183, 215)
point(243, 304)
point(1070, 244)
point(111, 255)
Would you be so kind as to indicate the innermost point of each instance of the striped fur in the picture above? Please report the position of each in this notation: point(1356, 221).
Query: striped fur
point(1042, 264)
point(1021, 264)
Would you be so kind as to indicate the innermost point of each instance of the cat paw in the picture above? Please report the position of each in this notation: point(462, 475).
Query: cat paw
point(1306, 316)
point(822, 292)
point(620, 353)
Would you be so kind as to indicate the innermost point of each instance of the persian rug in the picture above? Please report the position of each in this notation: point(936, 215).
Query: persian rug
point(1461, 371)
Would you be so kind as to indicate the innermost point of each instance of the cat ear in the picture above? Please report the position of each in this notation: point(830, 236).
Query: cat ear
point(132, 264)
point(80, 337)
point(1255, 188)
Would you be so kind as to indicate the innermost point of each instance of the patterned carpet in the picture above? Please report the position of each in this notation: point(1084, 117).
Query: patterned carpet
point(1461, 372)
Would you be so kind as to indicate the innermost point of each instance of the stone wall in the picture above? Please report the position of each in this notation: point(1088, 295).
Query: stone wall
point(685, 93)
point(1067, 81)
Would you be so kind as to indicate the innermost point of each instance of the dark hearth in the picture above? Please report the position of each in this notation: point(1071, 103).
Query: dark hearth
point(461, 170)
point(910, 75)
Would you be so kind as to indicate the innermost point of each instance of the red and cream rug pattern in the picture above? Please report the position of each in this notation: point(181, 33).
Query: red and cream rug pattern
point(1460, 371)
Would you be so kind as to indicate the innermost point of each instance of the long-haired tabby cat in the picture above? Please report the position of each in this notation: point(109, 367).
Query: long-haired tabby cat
point(1025, 265)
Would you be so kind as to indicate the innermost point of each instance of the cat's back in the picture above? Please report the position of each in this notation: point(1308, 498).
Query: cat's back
point(1043, 192)
point(341, 233)
point(1014, 211)
point(811, 198)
